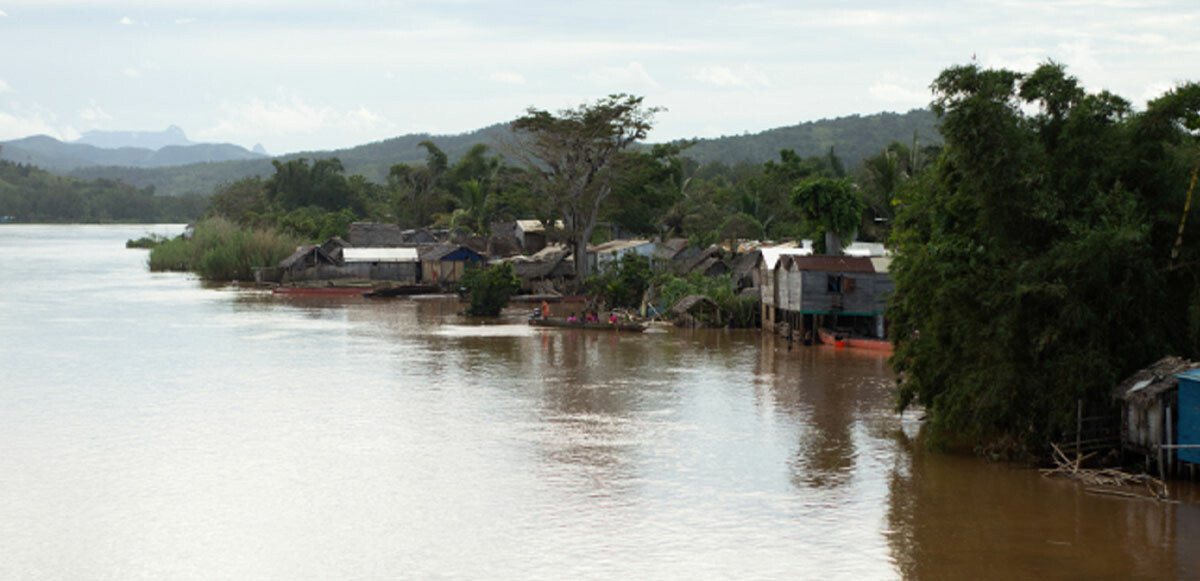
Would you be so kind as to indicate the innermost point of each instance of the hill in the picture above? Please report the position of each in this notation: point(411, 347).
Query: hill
point(54, 155)
point(853, 138)
point(172, 135)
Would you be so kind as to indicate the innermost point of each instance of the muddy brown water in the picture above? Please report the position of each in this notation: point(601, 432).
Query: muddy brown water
point(156, 428)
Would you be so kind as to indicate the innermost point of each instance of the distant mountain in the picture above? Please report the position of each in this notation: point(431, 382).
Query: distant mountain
point(56, 156)
point(852, 138)
point(371, 161)
point(172, 135)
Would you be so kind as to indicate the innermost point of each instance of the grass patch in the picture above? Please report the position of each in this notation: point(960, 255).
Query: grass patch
point(221, 251)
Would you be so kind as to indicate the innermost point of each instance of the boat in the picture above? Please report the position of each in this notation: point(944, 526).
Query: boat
point(830, 338)
point(840, 340)
point(322, 290)
point(404, 290)
point(627, 326)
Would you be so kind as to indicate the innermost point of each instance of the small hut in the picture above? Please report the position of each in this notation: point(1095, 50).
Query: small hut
point(309, 262)
point(1150, 407)
point(548, 268)
point(446, 263)
point(695, 311)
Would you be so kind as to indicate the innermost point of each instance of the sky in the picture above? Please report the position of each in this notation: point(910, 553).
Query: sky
point(297, 75)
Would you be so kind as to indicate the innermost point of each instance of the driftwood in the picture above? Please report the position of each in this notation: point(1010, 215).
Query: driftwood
point(1106, 480)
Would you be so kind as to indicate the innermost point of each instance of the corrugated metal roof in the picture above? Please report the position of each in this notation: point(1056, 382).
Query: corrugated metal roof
point(536, 225)
point(379, 254)
point(617, 245)
point(866, 249)
point(772, 255)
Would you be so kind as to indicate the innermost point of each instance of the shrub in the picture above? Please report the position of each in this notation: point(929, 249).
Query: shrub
point(220, 250)
point(488, 290)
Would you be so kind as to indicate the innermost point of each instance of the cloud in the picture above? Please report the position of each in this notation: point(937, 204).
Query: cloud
point(720, 76)
point(93, 113)
point(896, 95)
point(3, 14)
point(126, 20)
point(4, 88)
point(629, 78)
point(24, 122)
point(288, 114)
point(187, 20)
point(507, 78)
point(131, 72)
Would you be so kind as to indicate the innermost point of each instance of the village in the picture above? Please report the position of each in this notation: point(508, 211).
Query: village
point(799, 293)
point(835, 299)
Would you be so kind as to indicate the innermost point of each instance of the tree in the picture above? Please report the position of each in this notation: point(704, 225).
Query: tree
point(571, 157)
point(623, 284)
point(488, 290)
point(1031, 267)
point(832, 205)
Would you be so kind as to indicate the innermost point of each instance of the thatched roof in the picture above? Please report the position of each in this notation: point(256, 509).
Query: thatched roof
point(1147, 384)
point(375, 235)
point(694, 262)
point(308, 255)
point(743, 265)
point(689, 302)
point(539, 266)
point(501, 244)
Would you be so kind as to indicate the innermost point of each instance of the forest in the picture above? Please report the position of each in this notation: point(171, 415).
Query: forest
point(29, 194)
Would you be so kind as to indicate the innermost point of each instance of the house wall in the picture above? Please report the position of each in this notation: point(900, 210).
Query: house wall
point(868, 295)
point(600, 261)
point(442, 271)
point(389, 271)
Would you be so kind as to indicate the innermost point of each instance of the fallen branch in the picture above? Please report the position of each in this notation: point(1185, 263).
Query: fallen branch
point(1105, 477)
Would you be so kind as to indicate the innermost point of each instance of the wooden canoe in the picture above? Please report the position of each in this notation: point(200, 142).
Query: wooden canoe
point(565, 324)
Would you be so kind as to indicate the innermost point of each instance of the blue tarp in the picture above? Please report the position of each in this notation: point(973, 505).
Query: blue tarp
point(1189, 416)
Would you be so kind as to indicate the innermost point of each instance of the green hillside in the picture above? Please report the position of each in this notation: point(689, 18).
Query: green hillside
point(853, 138)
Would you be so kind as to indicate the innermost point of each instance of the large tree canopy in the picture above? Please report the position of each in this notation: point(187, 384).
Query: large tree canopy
point(1033, 265)
point(571, 155)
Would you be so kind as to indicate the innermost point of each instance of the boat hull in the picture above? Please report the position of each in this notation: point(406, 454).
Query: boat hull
point(830, 338)
point(561, 324)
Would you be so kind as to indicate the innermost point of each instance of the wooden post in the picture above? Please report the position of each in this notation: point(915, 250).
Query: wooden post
point(1078, 426)
point(1170, 437)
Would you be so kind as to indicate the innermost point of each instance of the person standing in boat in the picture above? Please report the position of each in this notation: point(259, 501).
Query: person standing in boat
point(545, 310)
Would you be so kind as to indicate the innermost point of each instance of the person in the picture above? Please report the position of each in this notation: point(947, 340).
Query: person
point(612, 319)
point(591, 317)
point(572, 319)
point(545, 310)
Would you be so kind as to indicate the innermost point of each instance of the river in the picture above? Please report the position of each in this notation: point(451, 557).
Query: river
point(153, 427)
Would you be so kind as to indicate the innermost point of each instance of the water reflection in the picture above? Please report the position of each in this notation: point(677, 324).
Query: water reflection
point(154, 427)
point(831, 393)
point(956, 517)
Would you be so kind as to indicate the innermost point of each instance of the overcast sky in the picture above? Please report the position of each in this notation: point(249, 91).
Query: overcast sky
point(302, 74)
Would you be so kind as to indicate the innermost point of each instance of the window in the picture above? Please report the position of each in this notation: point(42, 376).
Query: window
point(833, 283)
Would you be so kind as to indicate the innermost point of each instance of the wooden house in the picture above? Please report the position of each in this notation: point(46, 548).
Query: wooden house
point(390, 264)
point(446, 263)
point(603, 256)
point(808, 292)
point(309, 262)
point(1150, 408)
point(545, 270)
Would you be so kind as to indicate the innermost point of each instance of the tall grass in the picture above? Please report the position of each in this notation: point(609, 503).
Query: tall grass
point(221, 250)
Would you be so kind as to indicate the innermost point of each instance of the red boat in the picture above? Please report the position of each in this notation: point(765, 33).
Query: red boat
point(838, 340)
